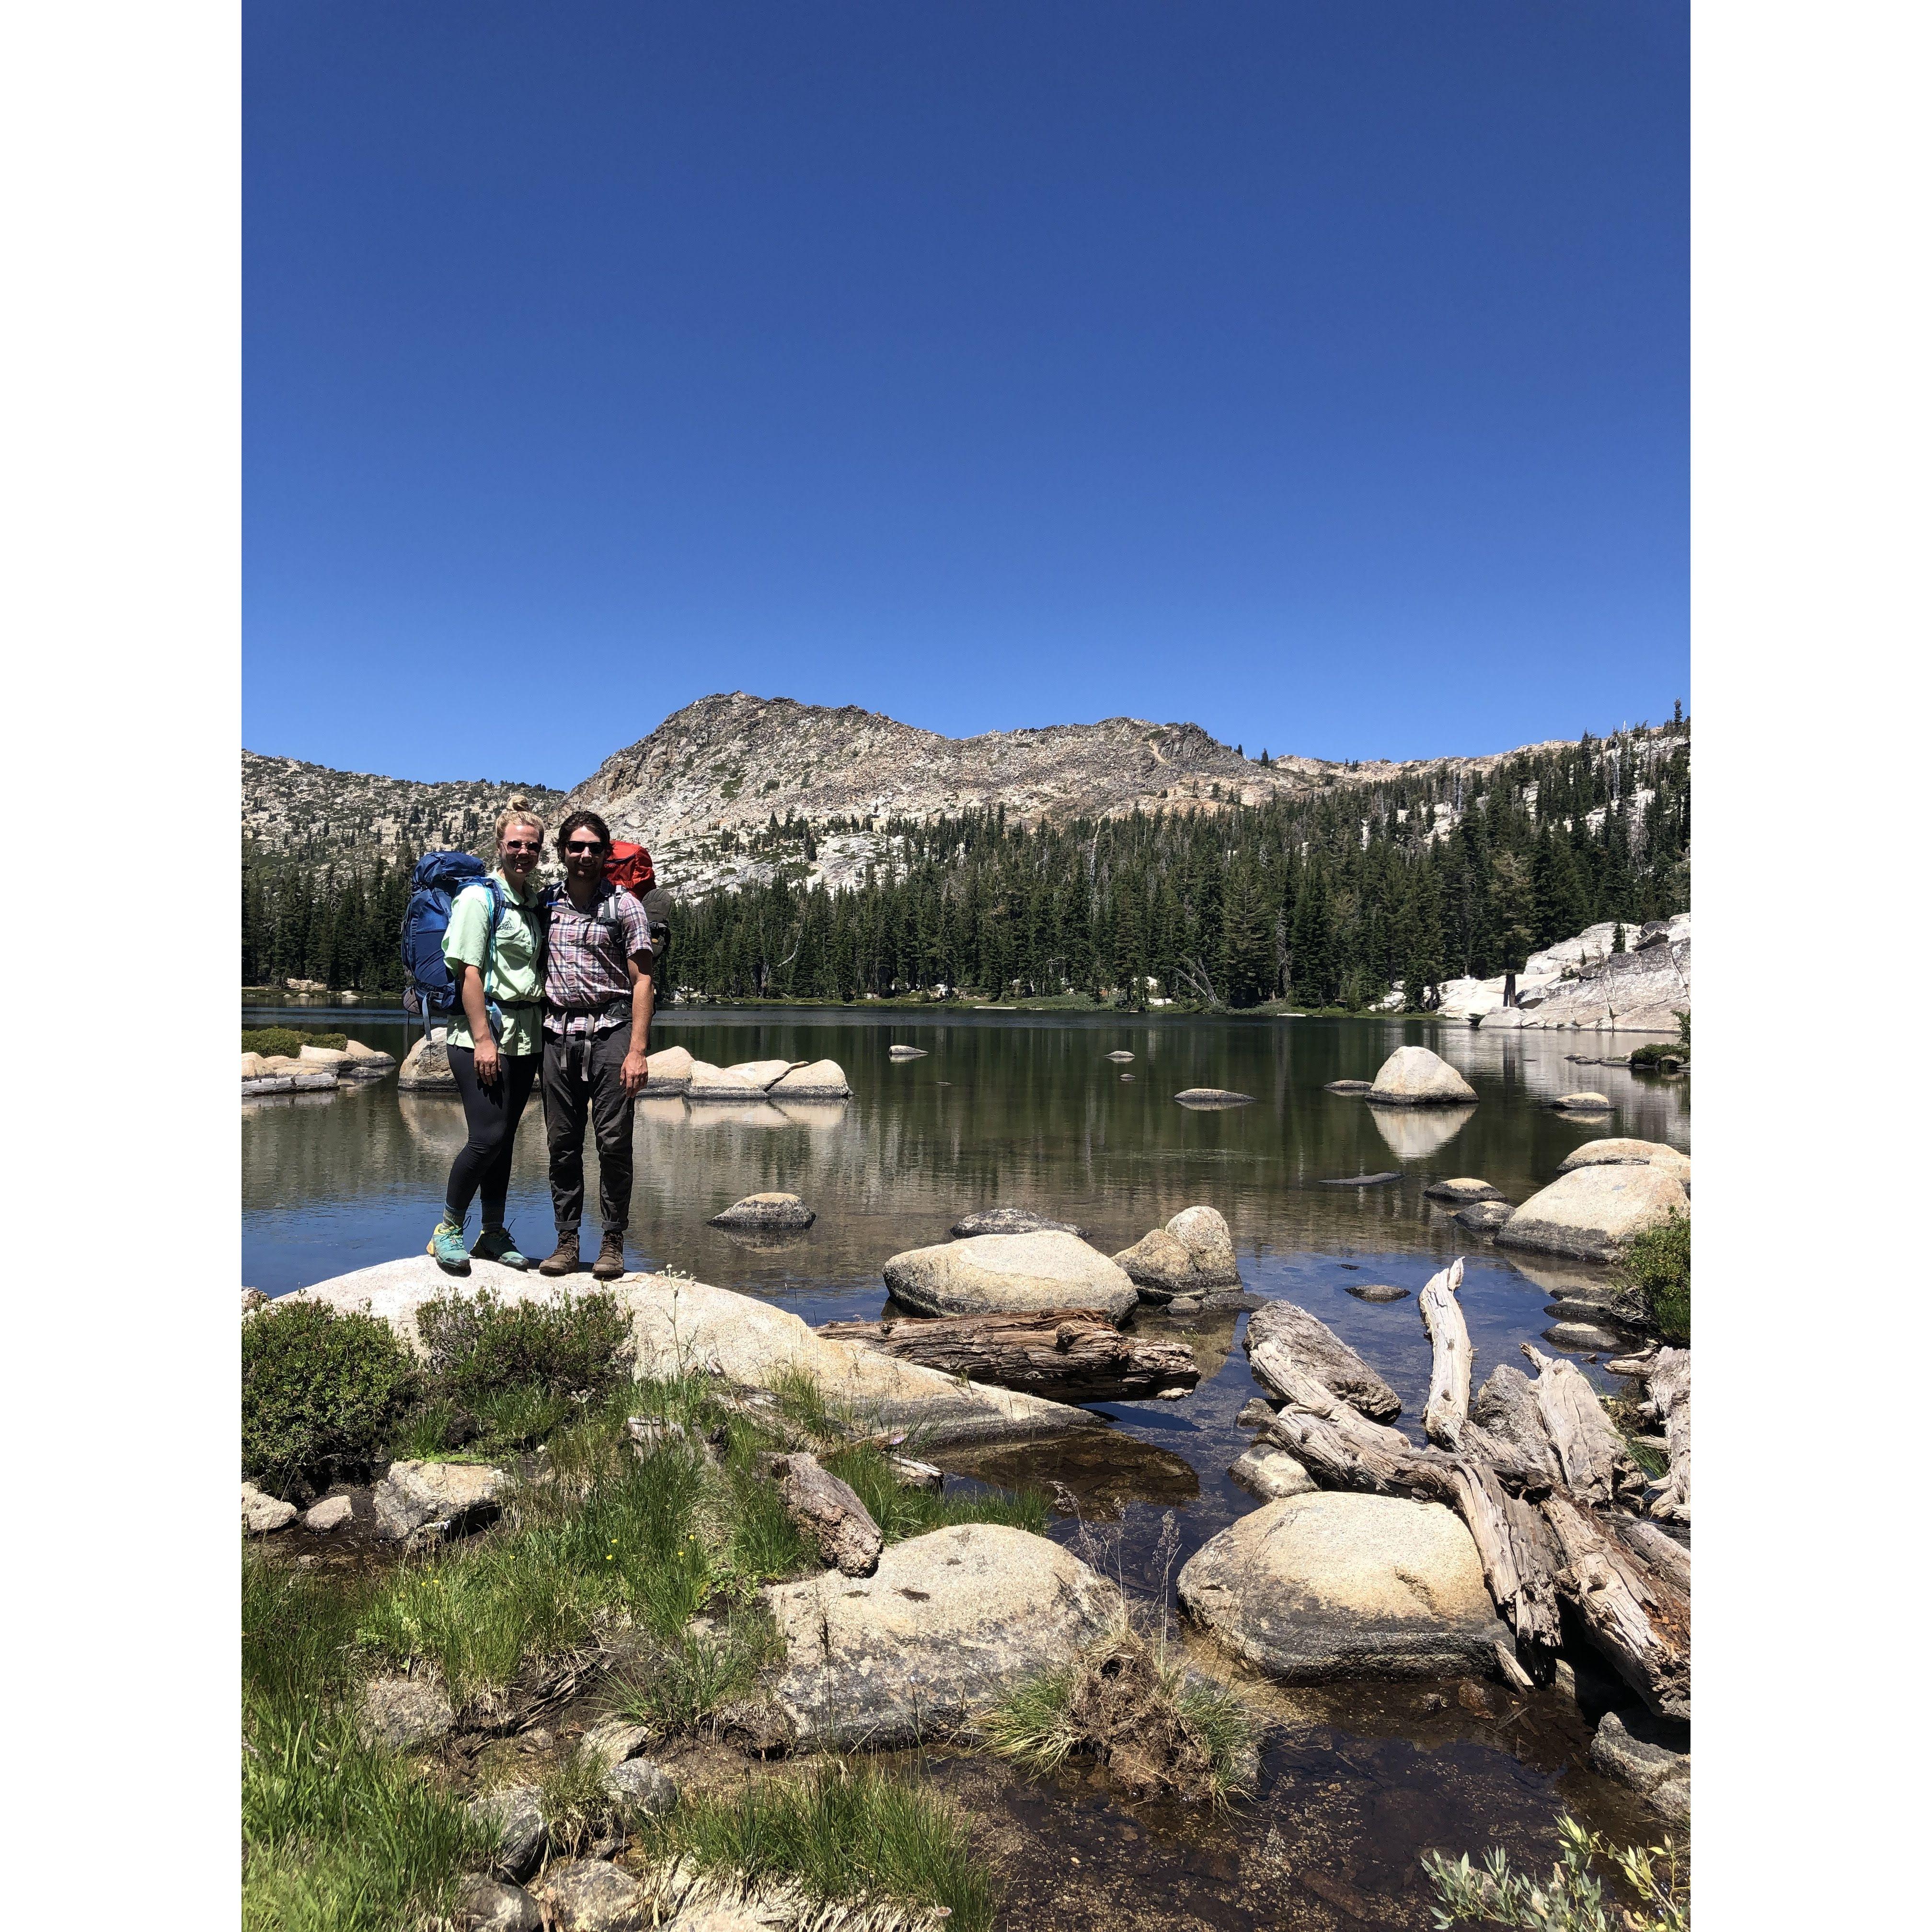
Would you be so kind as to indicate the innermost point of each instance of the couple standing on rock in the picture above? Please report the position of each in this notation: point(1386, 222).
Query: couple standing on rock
point(553, 986)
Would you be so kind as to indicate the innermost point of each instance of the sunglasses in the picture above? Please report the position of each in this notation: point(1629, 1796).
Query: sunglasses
point(523, 845)
point(585, 845)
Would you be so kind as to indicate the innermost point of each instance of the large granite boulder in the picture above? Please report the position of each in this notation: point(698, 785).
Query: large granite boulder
point(1591, 1213)
point(1336, 1584)
point(710, 1083)
point(1310, 1345)
point(1412, 1076)
point(1008, 1274)
point(762, 1073)
point(668, 1071)
point(774, 1212)
point(816, 1080)
point(426, 1068)
point(949, 1622)
point(1192, 1255)
point(418, 1500)
point(678, 1325)
point(1619, 1151)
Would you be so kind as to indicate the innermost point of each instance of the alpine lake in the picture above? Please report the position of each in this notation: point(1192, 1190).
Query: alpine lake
point(1359, 1778)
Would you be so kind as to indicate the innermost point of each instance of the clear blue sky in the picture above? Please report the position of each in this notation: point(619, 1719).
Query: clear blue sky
point(1318, 372)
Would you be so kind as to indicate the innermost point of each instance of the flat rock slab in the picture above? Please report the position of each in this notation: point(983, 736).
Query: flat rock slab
point(816, 1080)
point(1333, 1585)
point(592, 1895)
point(1582, 1103)
point(949, 1622)
point(778, 1212)
point(905, 1053)
point(678, 1325)
point(1484, 1217)
point(1347, 1086)
point(1463, 1189)
point(1360, 1180)
point(1213, 1096)
point(1312, 1346)
point(1591, 1213)
point(1412, 1076)
point(1011, 1221)
point(1008, 1274)
point(1271, 1474)
point(417, 1499)
point(1378, 1291)
point(1585, 1337)
point(1193, 1254)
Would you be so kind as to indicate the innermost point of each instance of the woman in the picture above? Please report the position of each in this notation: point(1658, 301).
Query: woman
point(495, 1039)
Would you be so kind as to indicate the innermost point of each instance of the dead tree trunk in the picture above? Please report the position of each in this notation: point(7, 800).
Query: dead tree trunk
point(1448, 1408)
point(1666, 1376)
point(830, 1512)
point(1076, 1355)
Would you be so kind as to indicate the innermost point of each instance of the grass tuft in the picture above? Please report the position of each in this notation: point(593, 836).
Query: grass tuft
point(1657, 1263)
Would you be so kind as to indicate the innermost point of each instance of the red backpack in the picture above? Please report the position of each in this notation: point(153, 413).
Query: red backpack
point(630, 867)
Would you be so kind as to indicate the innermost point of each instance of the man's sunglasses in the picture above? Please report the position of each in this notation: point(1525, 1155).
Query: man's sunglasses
point(585, 845)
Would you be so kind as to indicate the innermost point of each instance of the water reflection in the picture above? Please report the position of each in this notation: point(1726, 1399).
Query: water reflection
point(1415, 1133)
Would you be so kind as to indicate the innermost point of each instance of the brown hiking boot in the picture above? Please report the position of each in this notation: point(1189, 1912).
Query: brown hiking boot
point(564, 1261)
point(609, 1262)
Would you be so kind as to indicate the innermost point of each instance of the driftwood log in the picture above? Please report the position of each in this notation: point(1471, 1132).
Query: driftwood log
point(1073, 1355)
point(830, 1512)
point(1539, 1475)
point(1284, 1342)
point(1666, 1376)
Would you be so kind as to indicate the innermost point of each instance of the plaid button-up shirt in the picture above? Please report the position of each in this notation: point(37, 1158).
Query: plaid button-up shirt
point(587, 984)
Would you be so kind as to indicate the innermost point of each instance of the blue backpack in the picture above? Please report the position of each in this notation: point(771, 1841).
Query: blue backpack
point(430, 994)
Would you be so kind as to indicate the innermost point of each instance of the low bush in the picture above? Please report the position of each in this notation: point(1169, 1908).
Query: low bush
point(1572, 1899)
point(1657, 1263)
point(269, 1042)
point(321, 1393)
point(846, 1835)
point(479, 1348)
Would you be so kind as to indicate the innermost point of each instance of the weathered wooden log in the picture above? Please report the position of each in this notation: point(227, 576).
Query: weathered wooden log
point(1074, 1355)
point(1660, 1550)
point(1511, 1423)
point(1597, 1468)
point(830, 1512)
point(1637, 1616)
point(1283, 1338)
point(1448, 1408)
point(1668, 1391)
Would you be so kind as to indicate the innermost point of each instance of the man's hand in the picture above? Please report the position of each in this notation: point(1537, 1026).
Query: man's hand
point(636, 1071)
point(487, 1063)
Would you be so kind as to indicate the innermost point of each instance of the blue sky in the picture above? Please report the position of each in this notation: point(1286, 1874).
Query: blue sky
point(1316, 373)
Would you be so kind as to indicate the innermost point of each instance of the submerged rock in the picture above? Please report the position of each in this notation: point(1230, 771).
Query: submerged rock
point(1590, 1212)
point(1347, 1086)
point(775, 1211)
point(1008, 1273)
point(1412, 1076)
point(1120, 1054)
point(1484, 1217)
point(1271, 1474)
point(1378, 1291)
point(426, 1499)
point(949, 1622)
point(1332, 1585)
point(1011, 1221)
point(1463, 1189)
point(1192, 1254)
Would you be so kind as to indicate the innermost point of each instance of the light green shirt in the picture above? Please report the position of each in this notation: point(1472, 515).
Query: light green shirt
point(512, 974)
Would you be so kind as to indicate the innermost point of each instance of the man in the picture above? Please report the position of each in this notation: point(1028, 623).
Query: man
point(597, 1028)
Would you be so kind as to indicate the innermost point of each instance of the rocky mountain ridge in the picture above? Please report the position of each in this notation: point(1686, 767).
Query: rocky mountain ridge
point(699, 789)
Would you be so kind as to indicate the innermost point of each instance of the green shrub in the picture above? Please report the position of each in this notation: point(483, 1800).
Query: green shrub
point(1572, 1898)
point(321, 1393)
point(1657, 1263)
point(480, 1349)
point(269, 1042)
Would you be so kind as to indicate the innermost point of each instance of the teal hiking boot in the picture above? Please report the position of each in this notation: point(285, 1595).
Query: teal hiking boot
point(494, 1244)
point(446, 1244)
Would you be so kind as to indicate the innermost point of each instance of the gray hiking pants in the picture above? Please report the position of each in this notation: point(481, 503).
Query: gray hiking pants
point(583, 1079)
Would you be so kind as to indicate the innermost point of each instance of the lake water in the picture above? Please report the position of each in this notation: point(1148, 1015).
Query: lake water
point(1026, 1110)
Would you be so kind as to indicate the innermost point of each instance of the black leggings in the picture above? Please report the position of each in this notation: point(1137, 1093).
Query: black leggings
point(493, 1113)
